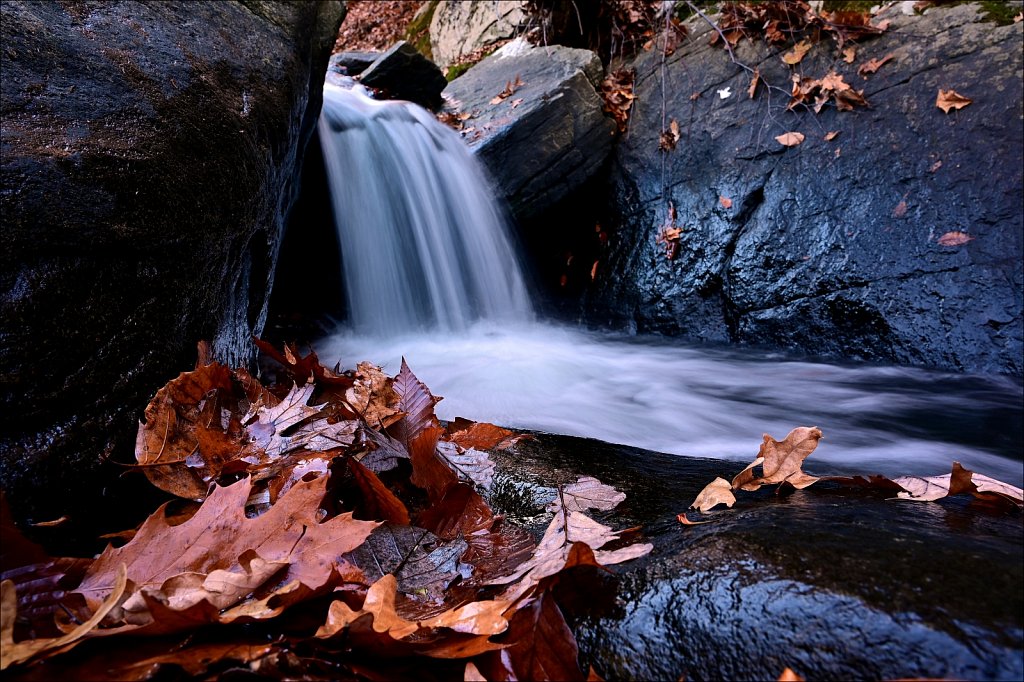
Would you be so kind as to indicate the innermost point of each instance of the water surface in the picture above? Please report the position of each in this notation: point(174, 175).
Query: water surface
point(662, 396)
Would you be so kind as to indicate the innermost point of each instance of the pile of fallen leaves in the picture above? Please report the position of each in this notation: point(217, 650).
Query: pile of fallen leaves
point(782, 21)
point(617, 94)
point(374, 25)
point(329, 526)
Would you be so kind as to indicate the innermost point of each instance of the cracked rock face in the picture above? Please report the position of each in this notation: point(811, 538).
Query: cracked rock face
point(150, 156)
point(833, 247)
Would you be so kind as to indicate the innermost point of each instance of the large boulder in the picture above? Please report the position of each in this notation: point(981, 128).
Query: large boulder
point(833, 583)
point(898, 240)
point(402, 72)
point(459, 28)
point(535, 120)
point(150, 156)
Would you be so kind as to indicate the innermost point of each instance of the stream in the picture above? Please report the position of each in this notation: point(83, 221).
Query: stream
point(663, 396)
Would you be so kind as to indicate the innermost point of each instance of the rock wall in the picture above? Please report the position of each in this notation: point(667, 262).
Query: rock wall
point(832, 247)
point(459, 28)
point(150, 156)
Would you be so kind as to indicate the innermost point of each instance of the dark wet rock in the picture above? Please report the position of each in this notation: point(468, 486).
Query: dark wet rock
point(831, 247)
point(832, 583)
point(351, 63)
point(546, 138)
point(150, 156)
point(403, 73)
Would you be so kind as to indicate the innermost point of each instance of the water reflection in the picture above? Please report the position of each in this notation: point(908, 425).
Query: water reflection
point(713, 403)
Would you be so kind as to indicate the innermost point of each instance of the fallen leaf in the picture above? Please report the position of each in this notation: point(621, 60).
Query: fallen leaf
point(790, 139)
point(472, 673)
point(372, 396)
point(510, 88)
point(789, 676)
point(376, 502)
point(593, 271)
point(753, 83)
point(719, 491)
point(544, 647)
point(781, 461)
point(950, 99)
point(417, 404)
point(587, 493)
point(683, 519)
point(935, 166)
point(849, 54)
point(831, 135)
point(873, 65)
point(516, 102)
point(470, 465)
point(218, 538)
point(475, 618)
point(796, 55)
point(958, 481)
point(955, 238)
point(669, 137)
point(12, 652)
point(726, 202)
point(900, 210)
point(418, 560)
point(481, 435)
point(429, 471)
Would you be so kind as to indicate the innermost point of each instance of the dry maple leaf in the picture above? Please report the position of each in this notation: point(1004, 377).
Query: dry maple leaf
point(954, 238)
point(790, 139)
point(781, 461)
point(719, 491)
point(796, 55)
point(951, 99)
point(221, 538)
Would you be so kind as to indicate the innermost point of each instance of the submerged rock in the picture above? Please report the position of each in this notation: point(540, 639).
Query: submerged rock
point(833, 583)
point(897, 239)
point(535, 120)
point(150, 156)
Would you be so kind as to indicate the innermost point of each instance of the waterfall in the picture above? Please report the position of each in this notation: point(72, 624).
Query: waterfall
point(424, 245)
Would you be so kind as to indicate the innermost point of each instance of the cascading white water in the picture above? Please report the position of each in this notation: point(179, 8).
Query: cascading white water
point(431, 276)
point(424, 244)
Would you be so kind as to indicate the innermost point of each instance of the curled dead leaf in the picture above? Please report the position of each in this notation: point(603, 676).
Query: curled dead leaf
point(726, 202)
point(873, 65)
point(831, 135)
point(951, 99)
point(954, 238)
point(719, 491)
point(790, 139)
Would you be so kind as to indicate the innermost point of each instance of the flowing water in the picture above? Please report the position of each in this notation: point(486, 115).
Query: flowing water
point(430, 276)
